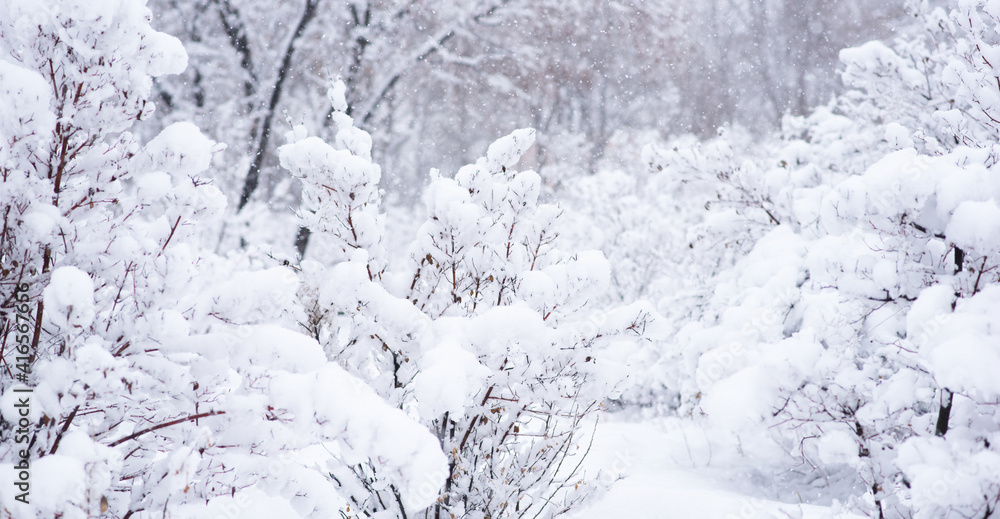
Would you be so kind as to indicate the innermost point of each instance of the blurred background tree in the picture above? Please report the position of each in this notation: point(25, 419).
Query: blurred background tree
point(433, 82)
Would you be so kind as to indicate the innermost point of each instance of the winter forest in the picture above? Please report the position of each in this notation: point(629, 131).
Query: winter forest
point(484, 259)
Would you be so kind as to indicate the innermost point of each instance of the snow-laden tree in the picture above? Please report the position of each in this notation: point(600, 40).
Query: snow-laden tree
point(162, 382)
point(486, 334)
point(258, 68)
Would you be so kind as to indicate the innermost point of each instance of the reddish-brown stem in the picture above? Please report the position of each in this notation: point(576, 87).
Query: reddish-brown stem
point(65, 427)
point(165, 424)
point(173, 229)
point(975, 288)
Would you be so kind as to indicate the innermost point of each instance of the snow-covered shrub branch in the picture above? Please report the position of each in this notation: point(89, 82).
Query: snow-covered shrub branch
point(487, 333)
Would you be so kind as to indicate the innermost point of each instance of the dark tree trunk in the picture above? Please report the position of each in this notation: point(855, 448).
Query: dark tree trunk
point(253, 176)
point(302, 241)
point(944, 414)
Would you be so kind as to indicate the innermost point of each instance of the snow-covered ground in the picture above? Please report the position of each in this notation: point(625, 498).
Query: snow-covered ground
point(666, 469)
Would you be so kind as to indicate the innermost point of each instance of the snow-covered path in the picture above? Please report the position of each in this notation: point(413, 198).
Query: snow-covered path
point(663, 469)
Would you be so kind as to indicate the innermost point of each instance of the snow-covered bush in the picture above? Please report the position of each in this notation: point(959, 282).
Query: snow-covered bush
point(162, 382)
point(486, 334)
point(846, 273)
point(835, 335)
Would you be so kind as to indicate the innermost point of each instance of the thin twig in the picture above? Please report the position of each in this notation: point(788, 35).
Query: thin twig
point(165, 424)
